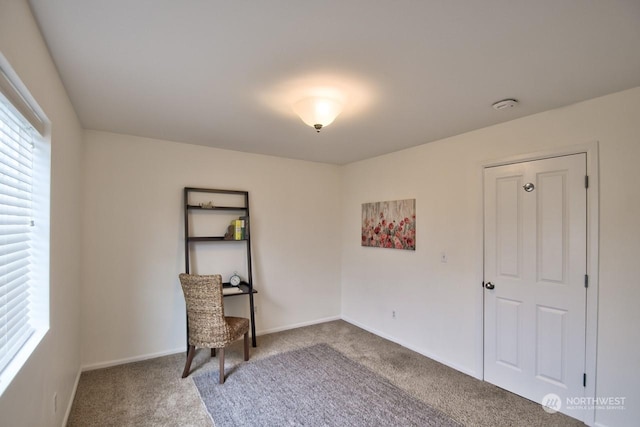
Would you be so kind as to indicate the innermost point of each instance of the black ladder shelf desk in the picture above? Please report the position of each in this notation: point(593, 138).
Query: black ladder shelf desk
point(246, 287)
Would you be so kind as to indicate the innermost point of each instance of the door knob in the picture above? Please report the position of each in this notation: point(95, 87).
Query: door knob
point(489, 285)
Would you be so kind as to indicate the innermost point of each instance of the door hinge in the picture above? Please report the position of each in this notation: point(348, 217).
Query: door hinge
point(586, 181)
point(586, 280)
point(584, 380)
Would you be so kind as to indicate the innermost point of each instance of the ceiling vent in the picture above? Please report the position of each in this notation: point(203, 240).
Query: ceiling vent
point(504, 104)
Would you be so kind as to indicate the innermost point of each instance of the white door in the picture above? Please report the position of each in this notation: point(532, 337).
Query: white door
point(534, 273)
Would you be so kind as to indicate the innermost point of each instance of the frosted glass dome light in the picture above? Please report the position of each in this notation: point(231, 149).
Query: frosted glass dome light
point(317, 112)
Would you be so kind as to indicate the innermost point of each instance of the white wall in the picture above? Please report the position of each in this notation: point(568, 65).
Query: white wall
point(54, 366)
point(132, 304)
point(438, 304)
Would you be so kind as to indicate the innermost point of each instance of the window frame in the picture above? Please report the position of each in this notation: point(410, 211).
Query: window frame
point(20, 98)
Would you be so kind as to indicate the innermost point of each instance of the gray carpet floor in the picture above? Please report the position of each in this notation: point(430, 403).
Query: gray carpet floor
point(151, 393)
point(314, 386)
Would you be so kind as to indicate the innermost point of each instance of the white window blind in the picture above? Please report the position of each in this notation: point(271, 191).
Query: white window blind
point(16, 171)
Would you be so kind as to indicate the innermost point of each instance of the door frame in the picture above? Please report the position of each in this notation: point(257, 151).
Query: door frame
point(593, 199)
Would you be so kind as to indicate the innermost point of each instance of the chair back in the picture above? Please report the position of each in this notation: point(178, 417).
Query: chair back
point(205, 310)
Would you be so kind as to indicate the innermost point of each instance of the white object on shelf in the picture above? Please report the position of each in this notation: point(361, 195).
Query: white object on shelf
point(231, 291)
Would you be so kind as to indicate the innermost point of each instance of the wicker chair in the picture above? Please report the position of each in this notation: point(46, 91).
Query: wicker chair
point(208, 327)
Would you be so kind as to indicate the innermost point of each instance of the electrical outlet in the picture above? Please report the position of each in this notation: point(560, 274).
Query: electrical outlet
point(393, 314)
point(443, 256)
point(55, 402)
point(255, 309)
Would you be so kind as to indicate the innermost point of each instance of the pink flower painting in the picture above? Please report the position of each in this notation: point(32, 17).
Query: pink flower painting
point(389, 224)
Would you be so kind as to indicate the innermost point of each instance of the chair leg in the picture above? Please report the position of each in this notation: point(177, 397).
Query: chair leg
point(246, 346)
point(213, 352)
point(187, 366)
point(221, 357)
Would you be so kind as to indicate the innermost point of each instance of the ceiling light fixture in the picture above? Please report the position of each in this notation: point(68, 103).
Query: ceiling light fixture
point(317, 112)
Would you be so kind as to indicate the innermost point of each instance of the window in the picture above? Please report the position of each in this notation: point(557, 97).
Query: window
point(24, 265)
point(16, 171)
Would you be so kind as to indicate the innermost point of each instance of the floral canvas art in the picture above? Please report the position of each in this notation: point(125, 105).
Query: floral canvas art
point(389, 224)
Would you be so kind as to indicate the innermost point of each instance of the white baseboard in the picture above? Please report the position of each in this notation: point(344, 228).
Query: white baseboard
point(139, 358)
point(65, 420)
point(411, 347)
point(297, 325)
point(142, 357)
point(109, 363)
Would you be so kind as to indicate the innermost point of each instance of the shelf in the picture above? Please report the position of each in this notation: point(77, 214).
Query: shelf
point(212, 190)
point(213, 239)
point(243, 285)
point(217, 208)
point(238, 208)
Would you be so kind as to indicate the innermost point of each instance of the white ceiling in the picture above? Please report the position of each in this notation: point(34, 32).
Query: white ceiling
point(224, 73)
